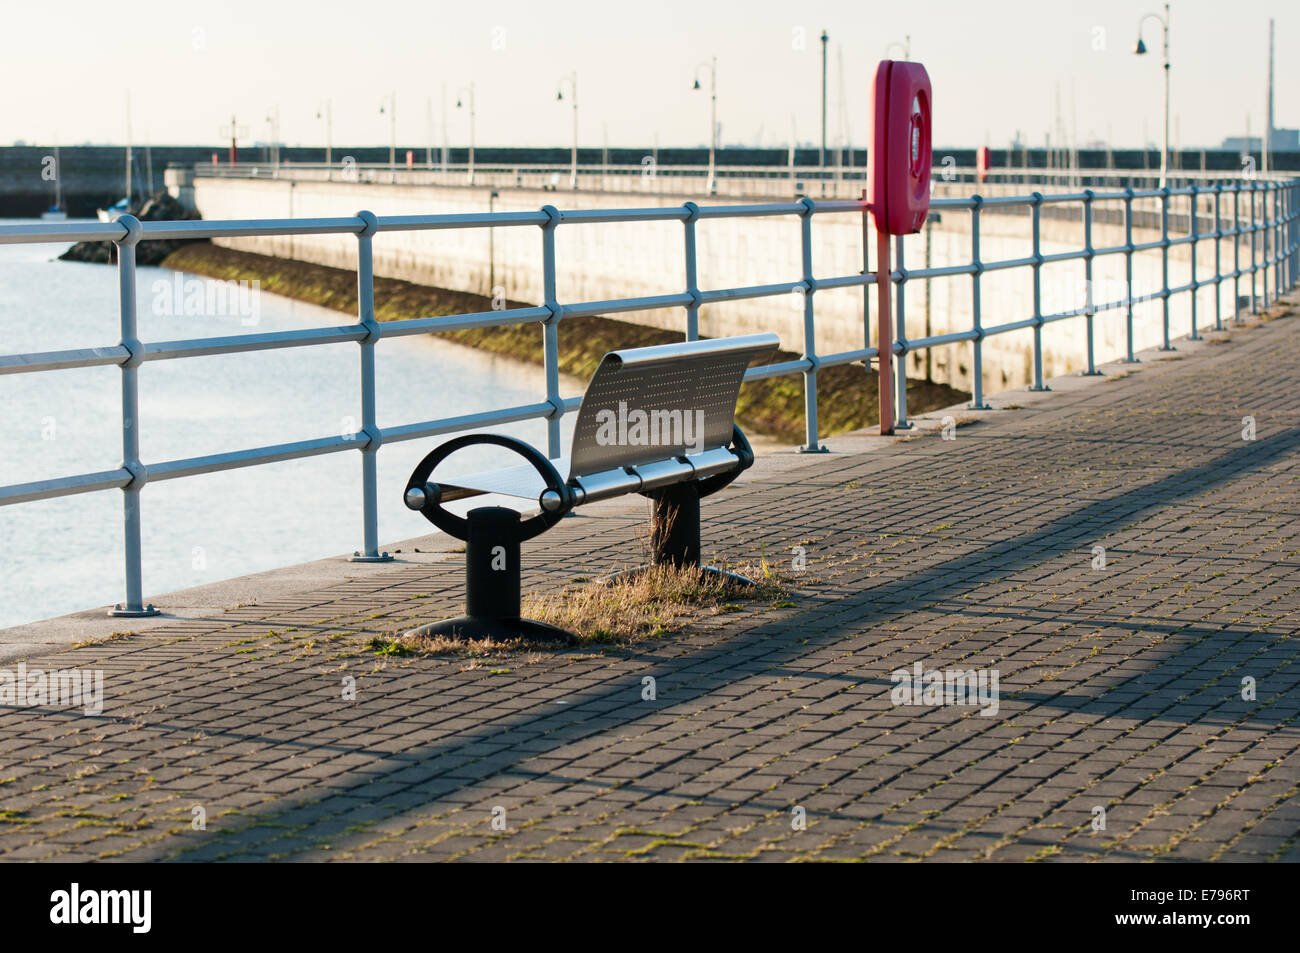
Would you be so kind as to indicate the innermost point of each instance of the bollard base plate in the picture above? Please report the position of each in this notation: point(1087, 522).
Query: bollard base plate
point(466, 628)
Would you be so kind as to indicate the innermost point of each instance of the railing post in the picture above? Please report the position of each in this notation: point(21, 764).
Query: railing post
point(369, 552)
point(1164, 269)
point(1218, 265)
point(900, 339)
point(866, 271)
point(692, 274)
point(1090, 300)
point(1254, 309)
point(1277, 240)
point(1194, 224)
point(1294, 191)
point(1128, 274)
point(134, 606)
point(550, 337)
point(811, 442)
point(1236, 252)
point(1036, 210)
point(977, 382)
point(1264, 236)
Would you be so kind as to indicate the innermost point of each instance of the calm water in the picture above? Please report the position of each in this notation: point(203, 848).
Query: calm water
point(63, 555)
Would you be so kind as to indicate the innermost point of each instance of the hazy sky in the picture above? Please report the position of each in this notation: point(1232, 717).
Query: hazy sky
point(996, 67)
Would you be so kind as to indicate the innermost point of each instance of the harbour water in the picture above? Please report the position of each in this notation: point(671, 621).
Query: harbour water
point(64, 555)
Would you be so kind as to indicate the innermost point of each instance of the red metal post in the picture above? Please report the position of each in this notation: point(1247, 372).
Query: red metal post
point(884, 332)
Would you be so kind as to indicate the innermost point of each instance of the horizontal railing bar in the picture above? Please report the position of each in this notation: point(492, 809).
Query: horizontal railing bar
point(70, 232)
point(64, 486)
point(403, 223)
point(1012, 326)
point(587, 309)
point(1008, 263)
point(953, 337)
point(203, 228)
point(59, 360)
point(751, 211)
point(845, 205)
point(460, 322)
point(754, 291)
point(776, 370)
point(254, 456)
point(240, 343)
point(668, 214)
point(848, 357)
point(846, 281)
point(433, 428)
point(1062, 315)
point(940, 271)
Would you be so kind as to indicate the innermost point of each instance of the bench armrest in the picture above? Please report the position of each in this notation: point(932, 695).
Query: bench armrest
point(427, 497)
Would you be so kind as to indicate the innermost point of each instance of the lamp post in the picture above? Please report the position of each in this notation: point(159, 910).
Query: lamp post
point(821, 156)
point(326, 112)
point(572, 80)
point(391, 110)
point(273, 153)
point(459, 104)
point(1141, 48)
point(712, 67)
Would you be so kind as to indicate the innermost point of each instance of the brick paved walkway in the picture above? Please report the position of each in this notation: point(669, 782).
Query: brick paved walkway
point(1121, 687)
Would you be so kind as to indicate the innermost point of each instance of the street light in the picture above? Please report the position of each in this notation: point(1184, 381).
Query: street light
point(572, 80)
point(391, 109)
point(712, 67)
point(273, 121)
point(326, 112)
point(1140, 49)
point(821, 156)
point(459, 103)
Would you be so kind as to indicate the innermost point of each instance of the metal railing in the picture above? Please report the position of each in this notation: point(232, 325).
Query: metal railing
point(653, 178)
point(649, 177)
point(1266, 212)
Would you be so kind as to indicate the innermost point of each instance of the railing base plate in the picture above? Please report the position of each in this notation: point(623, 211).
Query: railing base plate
point(378, 558)
point(120, 611)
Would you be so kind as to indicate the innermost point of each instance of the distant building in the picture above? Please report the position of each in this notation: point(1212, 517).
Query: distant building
point(1284, 140)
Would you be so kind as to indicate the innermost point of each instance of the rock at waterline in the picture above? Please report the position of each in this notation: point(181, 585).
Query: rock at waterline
point(160, 207)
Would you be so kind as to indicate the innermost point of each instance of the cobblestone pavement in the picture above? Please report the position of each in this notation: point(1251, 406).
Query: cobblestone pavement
point(1124, 685)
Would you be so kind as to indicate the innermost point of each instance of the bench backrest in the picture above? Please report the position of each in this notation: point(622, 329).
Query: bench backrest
point(655, 403)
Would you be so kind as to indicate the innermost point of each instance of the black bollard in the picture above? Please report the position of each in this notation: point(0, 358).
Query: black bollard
point(492, 563)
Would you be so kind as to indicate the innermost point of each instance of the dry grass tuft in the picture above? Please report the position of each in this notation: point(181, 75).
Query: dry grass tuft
point(653, 603)
point(657, 602)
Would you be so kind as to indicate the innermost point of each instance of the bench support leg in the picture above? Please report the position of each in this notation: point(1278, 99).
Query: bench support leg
point(492, 585)
point(675, 534)
point(675, 526)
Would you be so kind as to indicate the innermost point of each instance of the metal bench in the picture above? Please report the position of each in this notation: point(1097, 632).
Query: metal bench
point(659, 421)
